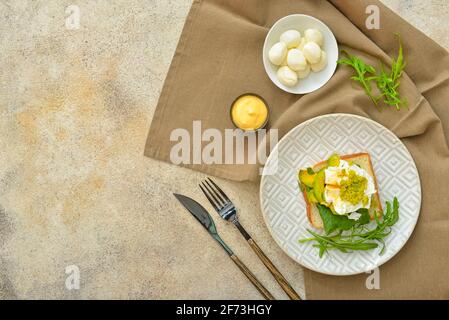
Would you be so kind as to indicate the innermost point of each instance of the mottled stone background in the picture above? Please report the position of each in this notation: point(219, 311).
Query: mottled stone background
point(75, 189)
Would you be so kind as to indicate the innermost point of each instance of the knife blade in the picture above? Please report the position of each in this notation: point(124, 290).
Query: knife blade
point(203, 217)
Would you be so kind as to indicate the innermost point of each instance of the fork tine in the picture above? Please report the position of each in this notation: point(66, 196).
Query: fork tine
point(219, 190)
point(215, 192)
point(214, 204)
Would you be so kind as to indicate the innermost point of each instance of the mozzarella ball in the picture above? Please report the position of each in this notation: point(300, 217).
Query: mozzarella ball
point(277, 53)
point(312, 52)
point(291, 38)
point(302, 43)
point(296, 60)
point(303, 73)
point(321, 64)
point(287, 76)
point(313, 35)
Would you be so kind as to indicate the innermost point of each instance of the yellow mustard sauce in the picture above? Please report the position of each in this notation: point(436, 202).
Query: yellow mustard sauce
point(249, 112)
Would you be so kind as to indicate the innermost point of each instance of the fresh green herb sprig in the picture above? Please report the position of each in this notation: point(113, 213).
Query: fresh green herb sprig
point(387, 82)
point(365, 73)
point(358, 237)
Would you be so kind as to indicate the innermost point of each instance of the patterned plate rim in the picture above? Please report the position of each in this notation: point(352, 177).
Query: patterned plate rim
point(273, 234)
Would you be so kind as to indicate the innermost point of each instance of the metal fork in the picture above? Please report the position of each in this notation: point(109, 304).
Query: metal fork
point(226, 209)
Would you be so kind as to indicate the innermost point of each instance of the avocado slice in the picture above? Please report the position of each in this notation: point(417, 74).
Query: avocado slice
point(311, 196)
point(306, 178)
point(318, 186)
point(334, 160)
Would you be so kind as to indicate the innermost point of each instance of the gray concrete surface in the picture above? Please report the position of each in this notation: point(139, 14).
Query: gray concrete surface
point(75, 189)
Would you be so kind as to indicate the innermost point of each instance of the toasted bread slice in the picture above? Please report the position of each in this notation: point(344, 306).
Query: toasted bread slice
point(364, 161)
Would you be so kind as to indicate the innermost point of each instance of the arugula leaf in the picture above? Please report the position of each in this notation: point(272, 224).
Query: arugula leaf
point(326, 243)
point(364, 218)
point(398, 65)
point(359, 238)
point(362, 70)
point(332, 221)
point(387, 82)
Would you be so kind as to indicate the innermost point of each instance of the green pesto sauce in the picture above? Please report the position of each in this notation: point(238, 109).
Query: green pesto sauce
point(352, 188)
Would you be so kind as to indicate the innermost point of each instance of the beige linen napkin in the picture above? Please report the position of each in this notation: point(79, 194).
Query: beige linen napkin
point(219, 57)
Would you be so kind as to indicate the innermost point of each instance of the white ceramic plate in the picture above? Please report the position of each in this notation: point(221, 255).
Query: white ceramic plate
point(302, 22)
point(283, 206)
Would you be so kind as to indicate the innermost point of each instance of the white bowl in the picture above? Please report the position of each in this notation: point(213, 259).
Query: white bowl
point(302, 22)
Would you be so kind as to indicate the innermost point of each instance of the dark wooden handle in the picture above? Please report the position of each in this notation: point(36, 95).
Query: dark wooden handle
point(274, 271)
point(251, 277)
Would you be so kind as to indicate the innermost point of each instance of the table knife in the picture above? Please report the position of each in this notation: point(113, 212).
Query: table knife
point(203, 217)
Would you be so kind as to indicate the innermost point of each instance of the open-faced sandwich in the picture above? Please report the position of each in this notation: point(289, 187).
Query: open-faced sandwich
point(344, 184)
point(342, 197)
